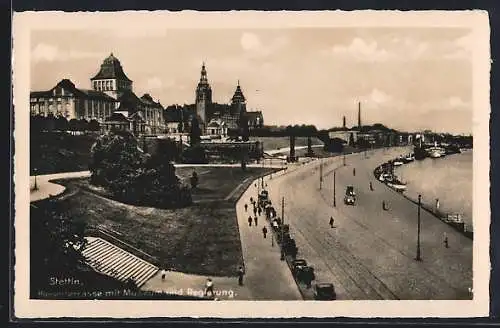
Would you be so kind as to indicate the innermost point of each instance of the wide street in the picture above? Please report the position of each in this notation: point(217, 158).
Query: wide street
point(370, 253)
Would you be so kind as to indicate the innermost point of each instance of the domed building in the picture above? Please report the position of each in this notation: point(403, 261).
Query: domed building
point(112, 92)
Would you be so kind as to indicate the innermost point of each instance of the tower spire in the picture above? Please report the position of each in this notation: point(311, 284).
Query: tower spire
point(203, 77)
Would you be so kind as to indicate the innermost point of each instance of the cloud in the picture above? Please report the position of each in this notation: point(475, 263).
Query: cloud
point(379, 97)
point(153, 83)
point(362, 50)
point(460, 48)
point(253, 45)
point(250, 41)
point(457, 102)
point(48, 52)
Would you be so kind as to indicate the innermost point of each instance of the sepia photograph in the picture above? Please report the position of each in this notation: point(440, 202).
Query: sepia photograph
point(318, 162)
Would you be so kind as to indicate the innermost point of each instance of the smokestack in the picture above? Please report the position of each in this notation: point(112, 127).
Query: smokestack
point(359, 115)
point(343, 122)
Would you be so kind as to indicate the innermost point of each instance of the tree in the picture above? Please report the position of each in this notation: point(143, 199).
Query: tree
point(55, 240)
point(93, 125)
point(195, 132)
point(194, 180)
point(73, 125)
point(61, 124)
point(49, 123)
point(83, 125)
point(119, 165)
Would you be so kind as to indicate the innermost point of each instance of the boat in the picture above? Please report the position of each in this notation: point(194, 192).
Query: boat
point(397, 162)
point(434, 152)
point(409, 158)
point(398, 186)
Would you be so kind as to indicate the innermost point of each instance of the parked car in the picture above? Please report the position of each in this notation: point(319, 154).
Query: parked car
point(324, 292)
point(350, 196)
point(297, 265)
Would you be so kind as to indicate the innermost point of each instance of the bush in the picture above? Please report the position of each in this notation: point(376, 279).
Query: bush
point(119, 165)
point(194, 155)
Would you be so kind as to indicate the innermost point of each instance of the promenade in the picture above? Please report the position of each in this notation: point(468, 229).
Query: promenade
point(370, 254)
point(266, 277)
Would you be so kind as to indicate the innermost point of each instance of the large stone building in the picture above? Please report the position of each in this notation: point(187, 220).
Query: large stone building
point(213, 118)
point(66, 100)
point(112, 91)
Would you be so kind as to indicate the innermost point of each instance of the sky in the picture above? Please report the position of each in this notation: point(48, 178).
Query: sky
point(406, 78)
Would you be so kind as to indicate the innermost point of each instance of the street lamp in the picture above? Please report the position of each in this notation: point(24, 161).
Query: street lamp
point(320, 174)
point(418, 258)
point(334, 191)
point(35, 187)
point(282, 258)
point(344, 159)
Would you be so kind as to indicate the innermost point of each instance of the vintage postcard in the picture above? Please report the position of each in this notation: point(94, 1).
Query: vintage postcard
point(251, 164)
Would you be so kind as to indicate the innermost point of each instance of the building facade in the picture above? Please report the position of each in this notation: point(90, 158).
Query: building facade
point(112, 80)
point(225, 116)
point(112, 91)
point(66, 100)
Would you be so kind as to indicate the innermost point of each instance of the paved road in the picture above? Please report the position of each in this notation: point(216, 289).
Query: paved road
point(45, 187)
point(286, 150)
point(370, 253)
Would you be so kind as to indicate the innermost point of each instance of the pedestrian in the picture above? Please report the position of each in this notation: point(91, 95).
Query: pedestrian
point(251, 200)
point(331, 221)
point(264, 232)
point(249, 221)
point(255, 220)
point(354, 171)
point(241, 272)
point(163, 274)
point(445, 240)
point(371, 186)
point(437, 205)
point(209, 287)
point(259, 211)
point(384, 206)
point(246, 207)
point(255, 210)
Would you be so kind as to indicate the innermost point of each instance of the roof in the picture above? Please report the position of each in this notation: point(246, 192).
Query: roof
point(35, 94)
point(111, 68)
point(238, 94)
point(254, 115)
point(117, 117)
point(97, 94)
point(148, 100)
point(70, 86)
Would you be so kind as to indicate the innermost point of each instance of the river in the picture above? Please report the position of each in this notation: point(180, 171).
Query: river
point(449, 179)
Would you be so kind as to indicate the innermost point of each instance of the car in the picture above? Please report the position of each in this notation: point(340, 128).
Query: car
point(297, 265)
point(350, 196)
point(324, 292)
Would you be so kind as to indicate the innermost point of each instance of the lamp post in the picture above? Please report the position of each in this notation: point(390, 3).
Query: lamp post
point(35, 187)
point(418, 258)
point(320, 175)
point(282, 258)
point(334, 191)
point(344, 159)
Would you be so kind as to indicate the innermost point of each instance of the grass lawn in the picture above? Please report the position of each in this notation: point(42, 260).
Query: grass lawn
point(203, 238)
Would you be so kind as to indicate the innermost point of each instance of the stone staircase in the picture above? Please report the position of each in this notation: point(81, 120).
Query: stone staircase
point(115, 262)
